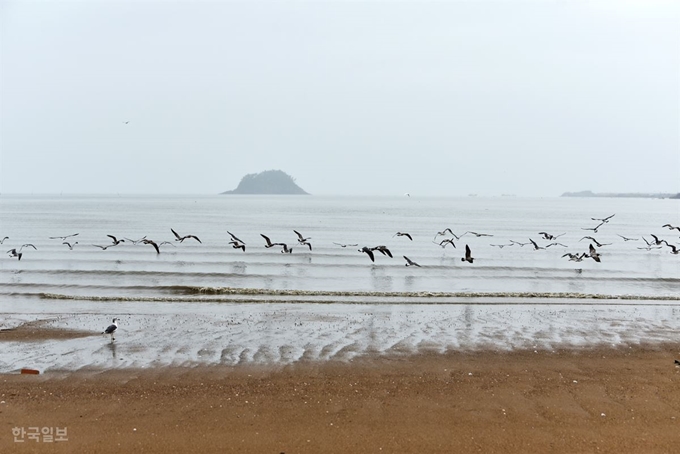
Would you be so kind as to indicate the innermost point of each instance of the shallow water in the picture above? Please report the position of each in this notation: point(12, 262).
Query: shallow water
point(207, 303)
point(129, 270)
point(189, 334)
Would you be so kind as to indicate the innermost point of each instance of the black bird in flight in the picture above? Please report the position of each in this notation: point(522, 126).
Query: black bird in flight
point(182, 238)
point(576, 257)
point(116, 241)
point(446, 241)
point(302, 240)
point(18, 254)
point(657, 241)
point(444, 232)
point(595, 241)
point(368, 252)
point(410, 262)
point(383, 250)
point(547, 236)
point(536, 246)
point(604, 220)
point(649, 246)
point(594, 229)
point(468, 255)
point(594, 254)
point(153, 243)
point(407, 235)
point(235, 238)
point(238, 245)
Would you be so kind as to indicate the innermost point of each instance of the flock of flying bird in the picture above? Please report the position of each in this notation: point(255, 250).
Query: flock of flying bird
point(237, 243)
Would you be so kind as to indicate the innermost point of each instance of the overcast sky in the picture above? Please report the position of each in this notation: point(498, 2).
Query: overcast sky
point(531, 98)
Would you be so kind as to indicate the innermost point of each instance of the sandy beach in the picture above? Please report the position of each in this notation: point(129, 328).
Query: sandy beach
point(576, 400)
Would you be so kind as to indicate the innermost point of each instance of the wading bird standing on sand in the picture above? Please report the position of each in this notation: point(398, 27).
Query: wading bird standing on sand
point(111, 329)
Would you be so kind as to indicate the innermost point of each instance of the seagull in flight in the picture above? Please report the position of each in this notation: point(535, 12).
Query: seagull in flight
point(671, 227)
point(444, 232)
point(153, 243)
point(368, 252)
point(520, 244)
point(595, 241)
point(238, 245)
point(345, 245)
point(410, 262)
point(674, 249)
point(627, 239)
point(476, 234)
point(18, 254)
point(446, 241)
point(3, 240)
point(593, 253)
point(407, 235)
point(576, 257)
point(116, 241)
point(468, 255)
point(595, 228)
point(302, 240)
point(62, 238)
point(383, 250)
point(70, 245)
point(182, 238)
point(235, 238)
point(136, 241)
point(556, 244)
point(657, 241)
point(549, 237)
point(604, 220)
point(649, 246)
point(269, 243)
point(536, 246)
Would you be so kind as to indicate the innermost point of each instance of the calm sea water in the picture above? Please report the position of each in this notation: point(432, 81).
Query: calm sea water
point(194, 269)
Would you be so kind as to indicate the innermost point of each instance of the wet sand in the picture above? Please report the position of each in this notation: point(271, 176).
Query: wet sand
point(623, 399)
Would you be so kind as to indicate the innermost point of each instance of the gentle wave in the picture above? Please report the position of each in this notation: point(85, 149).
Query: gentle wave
point(231, 291)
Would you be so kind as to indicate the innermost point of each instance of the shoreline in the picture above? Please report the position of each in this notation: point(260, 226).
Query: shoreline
point(594, 399)
point(152, 335)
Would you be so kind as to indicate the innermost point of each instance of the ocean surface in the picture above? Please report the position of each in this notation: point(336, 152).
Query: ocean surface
point(208, 303)
point(191, 268)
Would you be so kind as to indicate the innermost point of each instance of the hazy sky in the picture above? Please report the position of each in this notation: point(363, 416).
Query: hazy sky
point(349, 97)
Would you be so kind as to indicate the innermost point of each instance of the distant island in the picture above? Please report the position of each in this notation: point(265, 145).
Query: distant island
point(637, 195)
point(268, 182)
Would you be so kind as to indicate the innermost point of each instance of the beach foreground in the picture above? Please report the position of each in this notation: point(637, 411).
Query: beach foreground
point(622, 399)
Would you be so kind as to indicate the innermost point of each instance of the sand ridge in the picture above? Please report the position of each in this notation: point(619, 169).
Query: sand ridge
point(575, 400)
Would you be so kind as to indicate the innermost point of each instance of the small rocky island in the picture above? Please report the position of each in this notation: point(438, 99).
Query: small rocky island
point(267, 182)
